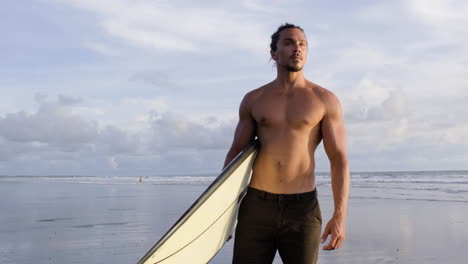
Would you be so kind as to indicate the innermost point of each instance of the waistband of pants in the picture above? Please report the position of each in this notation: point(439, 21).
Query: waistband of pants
point(274, 196)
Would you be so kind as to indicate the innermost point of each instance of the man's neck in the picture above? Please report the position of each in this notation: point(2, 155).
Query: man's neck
point(287, 80)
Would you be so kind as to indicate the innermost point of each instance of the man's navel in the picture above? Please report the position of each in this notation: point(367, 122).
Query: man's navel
point(279, 165)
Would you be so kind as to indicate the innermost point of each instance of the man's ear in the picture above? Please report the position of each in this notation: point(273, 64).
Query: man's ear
point(273, 55)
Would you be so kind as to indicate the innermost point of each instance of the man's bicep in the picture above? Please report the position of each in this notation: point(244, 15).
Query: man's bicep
point(245, 130)
point(244, 134)
point(333, 132)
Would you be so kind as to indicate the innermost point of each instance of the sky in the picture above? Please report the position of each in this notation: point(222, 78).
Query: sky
point(152, 87)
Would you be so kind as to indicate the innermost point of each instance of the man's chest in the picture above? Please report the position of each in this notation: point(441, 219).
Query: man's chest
point(296, 111)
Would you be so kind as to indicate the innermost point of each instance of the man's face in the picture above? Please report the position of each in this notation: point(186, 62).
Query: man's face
point(291, 52)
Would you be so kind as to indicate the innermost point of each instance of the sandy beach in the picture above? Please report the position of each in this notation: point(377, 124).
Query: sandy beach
point(114, 222)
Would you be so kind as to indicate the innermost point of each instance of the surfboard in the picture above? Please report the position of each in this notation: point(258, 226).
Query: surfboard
point(209, 223)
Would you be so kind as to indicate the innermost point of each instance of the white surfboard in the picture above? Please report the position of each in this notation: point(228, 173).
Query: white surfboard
point(209, 223)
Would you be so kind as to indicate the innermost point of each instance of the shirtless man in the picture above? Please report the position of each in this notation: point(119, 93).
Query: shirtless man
point(290, 116)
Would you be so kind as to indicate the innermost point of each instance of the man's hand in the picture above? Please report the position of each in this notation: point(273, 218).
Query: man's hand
point(336, 228)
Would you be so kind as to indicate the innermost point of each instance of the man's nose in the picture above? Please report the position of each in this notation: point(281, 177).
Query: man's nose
point(297, 46)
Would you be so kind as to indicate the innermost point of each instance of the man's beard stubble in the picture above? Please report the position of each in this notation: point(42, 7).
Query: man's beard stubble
point(290, 68)
point(293, 68)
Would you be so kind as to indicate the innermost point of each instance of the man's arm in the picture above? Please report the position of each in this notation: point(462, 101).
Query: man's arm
point(334, 142)
point(245, 130)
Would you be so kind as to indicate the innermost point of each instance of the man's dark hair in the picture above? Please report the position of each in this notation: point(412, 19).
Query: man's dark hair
point(275, 37)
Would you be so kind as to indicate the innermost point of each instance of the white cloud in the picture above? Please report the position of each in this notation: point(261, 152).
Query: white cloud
point(56, 135)
point(394, 107)
point(64, 100)
point(128, 113)
point(154, 78)
point(173, 131)
point(12, 149)
point(359, 55)
point(53, 123)
point(157, 25)
point(375, 101)
point(115, 141)
point(439, 11)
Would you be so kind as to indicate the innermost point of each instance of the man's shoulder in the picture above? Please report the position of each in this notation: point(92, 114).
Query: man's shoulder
point(250, 98)
point(325, 95)
point(327, 98)
point(255, 93)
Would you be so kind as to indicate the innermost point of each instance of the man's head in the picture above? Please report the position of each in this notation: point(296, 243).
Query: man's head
point(289, 47)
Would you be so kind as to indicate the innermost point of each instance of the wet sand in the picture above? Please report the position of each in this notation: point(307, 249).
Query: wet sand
point(50, 222)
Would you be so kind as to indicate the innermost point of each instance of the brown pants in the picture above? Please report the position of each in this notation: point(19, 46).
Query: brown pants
point(289, 223)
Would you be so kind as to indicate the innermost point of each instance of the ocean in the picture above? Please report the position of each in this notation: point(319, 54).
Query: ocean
point(78, 219)
point(419, 185)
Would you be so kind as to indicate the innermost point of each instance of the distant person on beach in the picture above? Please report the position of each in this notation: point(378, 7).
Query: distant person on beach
point(290, 116)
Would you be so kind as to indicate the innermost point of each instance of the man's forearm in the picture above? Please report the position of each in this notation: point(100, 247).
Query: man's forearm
point(340, 181)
